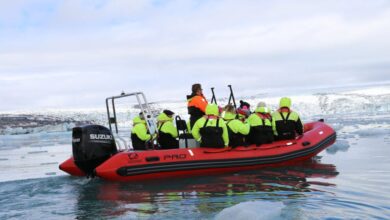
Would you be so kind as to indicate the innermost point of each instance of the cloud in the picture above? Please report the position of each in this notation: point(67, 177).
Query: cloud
point(75, 48)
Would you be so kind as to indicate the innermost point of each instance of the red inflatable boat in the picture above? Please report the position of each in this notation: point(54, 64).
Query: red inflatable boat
point(154, 164)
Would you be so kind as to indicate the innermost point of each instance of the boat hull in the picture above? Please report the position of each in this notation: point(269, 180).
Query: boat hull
point(157, 164)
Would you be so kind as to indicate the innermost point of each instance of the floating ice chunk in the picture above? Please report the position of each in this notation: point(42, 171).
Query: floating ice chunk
point(37, 152)
point(339, 145)
point(337, 126)
point(252, 210)
point(49, 163)
point(371, 132)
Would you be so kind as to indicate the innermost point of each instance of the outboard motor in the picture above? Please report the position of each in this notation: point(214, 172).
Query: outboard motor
point(92, 145)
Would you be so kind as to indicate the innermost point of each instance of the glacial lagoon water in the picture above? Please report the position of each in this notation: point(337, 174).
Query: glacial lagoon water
point(349, 180)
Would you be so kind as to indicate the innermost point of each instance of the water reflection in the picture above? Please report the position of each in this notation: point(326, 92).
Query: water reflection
point(201, 194)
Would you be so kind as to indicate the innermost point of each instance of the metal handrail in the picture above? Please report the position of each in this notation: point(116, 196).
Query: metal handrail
point(143, 103)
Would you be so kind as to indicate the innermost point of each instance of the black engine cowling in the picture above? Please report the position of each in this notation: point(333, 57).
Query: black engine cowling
point(92, 145)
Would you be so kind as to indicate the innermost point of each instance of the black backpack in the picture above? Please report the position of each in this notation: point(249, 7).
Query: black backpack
point(212, 136)
point(235, 139)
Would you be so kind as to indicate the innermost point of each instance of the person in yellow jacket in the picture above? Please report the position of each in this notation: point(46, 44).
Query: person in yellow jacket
point(261, 126)
point(140, 134)
point(237, 129)
point(167, 132)
point(286, 123)
point(210, 130)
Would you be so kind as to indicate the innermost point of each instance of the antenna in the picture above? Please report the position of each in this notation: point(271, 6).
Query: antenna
point(231, 97)
point(213, 99)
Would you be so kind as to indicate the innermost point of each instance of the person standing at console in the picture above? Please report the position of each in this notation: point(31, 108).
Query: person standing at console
point(196, 104)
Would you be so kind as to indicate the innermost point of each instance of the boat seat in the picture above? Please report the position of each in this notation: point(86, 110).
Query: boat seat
point(181, 124)
point(184, 134)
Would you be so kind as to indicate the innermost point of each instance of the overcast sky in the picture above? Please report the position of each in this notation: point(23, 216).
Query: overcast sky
point(71, 54)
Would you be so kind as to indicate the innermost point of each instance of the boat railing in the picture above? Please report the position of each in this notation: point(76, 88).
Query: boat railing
point(143, 105)
point(122, 144)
